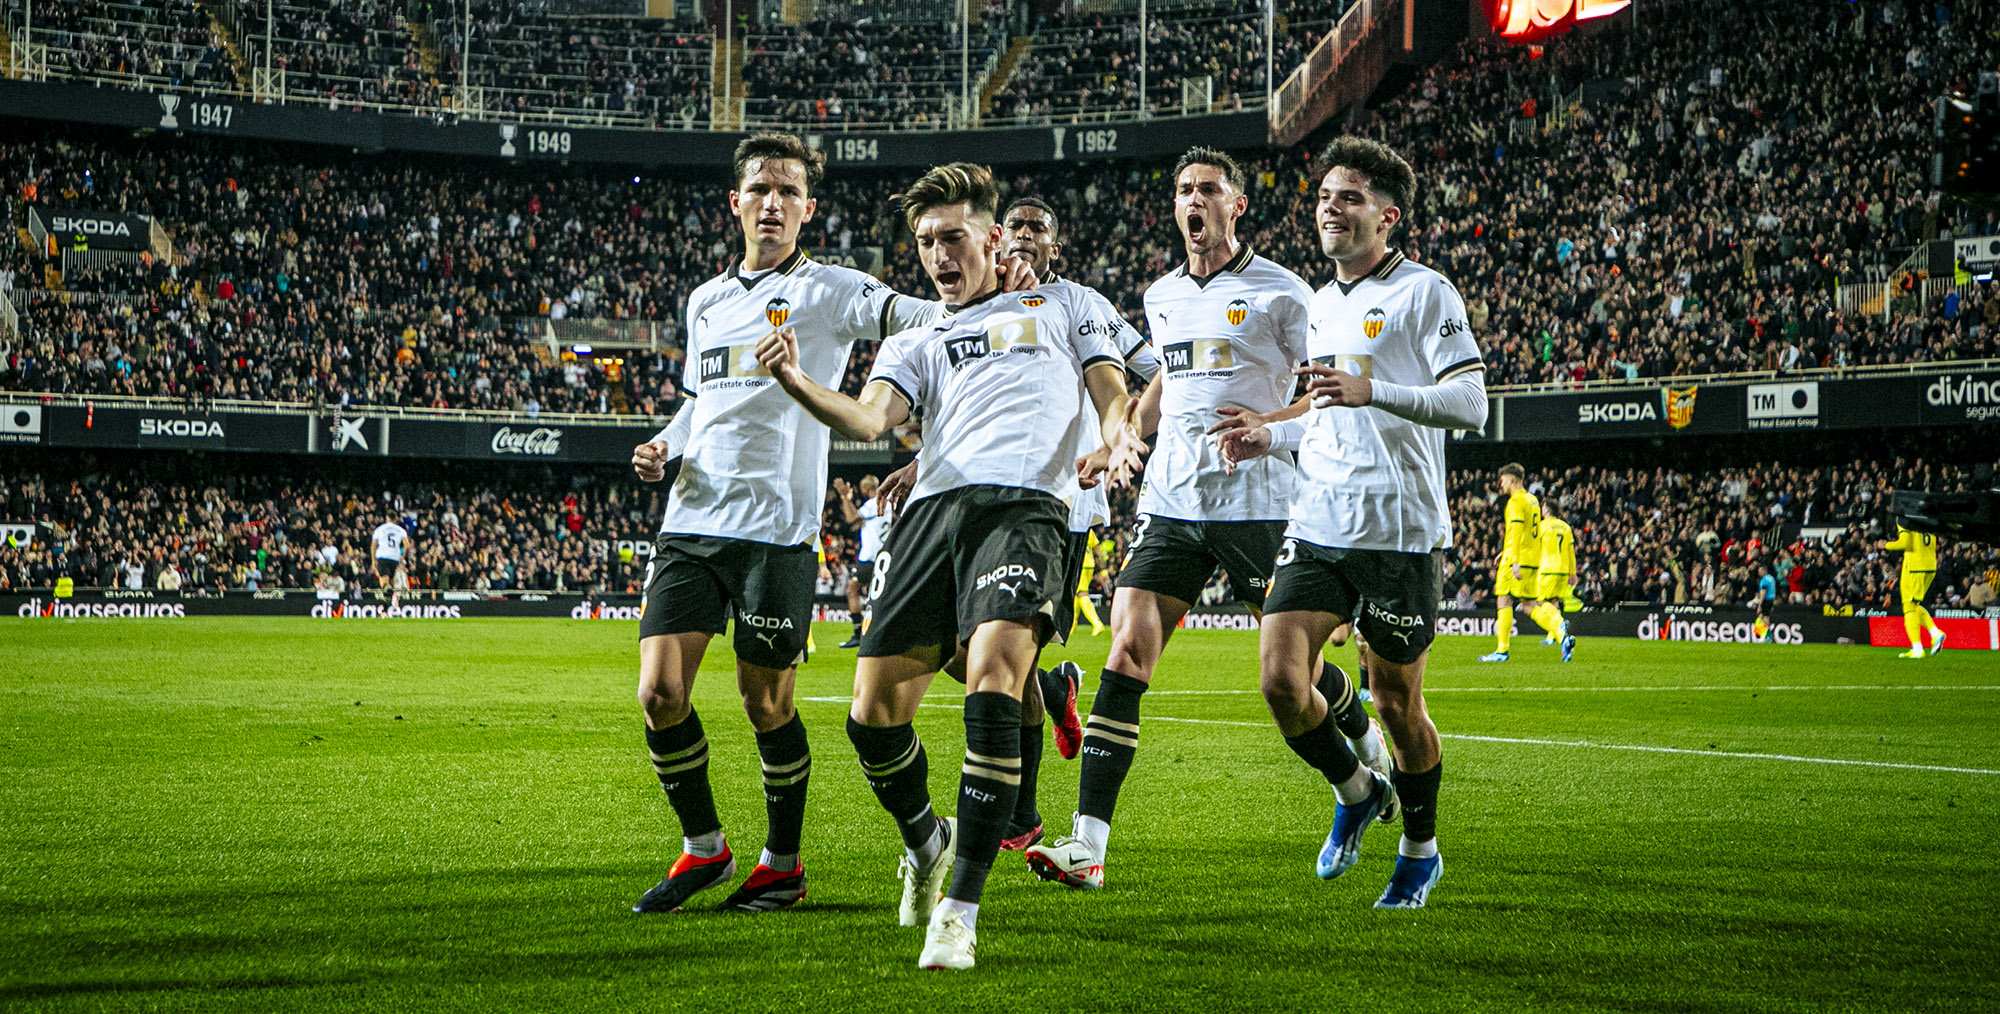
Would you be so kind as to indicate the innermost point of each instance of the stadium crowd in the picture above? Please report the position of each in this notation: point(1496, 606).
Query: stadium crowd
point(161, 41)
point(174, 523)
point(829, 74)
point(1664, 535)
point(1714, 203)
point(539, 56)
point(1704, 537)
point(340, 53)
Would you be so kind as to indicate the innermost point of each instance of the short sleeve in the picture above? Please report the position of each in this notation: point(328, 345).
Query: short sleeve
point(1132, 346)
point(1448, 345)
point(906, 312)
point(900, 364)
point(1090, 331)
point(870, 306)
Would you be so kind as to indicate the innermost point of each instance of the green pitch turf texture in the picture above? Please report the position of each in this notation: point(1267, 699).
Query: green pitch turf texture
point(426, 815)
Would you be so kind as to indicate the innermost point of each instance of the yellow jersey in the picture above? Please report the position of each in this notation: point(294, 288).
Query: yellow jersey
point(1558, 547)
point(1091, 545)
point(1522, 543)
point(1919, 550)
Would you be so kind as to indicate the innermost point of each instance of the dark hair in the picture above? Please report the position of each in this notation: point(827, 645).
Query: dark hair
point(1209, 156)
point(957, 183)
point(1514, 470)
point(1031, 201)
point(1388, 174)
point(762, 147)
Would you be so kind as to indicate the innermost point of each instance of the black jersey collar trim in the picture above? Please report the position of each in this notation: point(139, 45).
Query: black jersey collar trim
point(1381, 272)
point(785, 267)
point(950, 308)
point(1236, 263)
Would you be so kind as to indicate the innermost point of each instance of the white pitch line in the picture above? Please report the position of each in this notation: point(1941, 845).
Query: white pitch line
point(1584, 744)
point(1724, 753)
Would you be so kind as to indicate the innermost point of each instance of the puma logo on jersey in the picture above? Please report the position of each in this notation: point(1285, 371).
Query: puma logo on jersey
point(770, 640)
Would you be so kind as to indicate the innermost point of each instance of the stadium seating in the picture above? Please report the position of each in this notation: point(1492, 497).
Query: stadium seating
point(1693, 535)
point(831, 75)
point(1674, 207)
point(528, 60)
point(154, 43)
point(1086, 66)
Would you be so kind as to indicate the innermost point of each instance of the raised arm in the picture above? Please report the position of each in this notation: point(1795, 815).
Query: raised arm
point(879, 408)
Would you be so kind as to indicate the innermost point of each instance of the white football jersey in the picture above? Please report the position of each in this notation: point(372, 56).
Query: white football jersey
point(1232, 339)
point(1368, 479)
point(755, 465)
point(1000, 382)
point(389, 539)
point(874, 528)
point(1092, 506)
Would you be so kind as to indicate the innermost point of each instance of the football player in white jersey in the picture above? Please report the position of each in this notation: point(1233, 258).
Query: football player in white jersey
point(391, 542)
point(739, 537)
point(1030, 230)
point(975, 562)
point(1394, 366)
point(1229, 329)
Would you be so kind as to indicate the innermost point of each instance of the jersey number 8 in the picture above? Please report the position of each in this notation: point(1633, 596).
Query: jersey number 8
point(881, 574)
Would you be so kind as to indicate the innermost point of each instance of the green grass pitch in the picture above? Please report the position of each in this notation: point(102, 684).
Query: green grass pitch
point(425, 815)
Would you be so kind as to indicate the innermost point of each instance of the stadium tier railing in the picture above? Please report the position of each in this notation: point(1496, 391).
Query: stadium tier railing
point(1351, 59)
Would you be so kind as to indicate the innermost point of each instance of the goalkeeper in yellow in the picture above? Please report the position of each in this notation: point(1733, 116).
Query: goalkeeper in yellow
point(1516, 576)
point(1919, 551)
point(1558, 568)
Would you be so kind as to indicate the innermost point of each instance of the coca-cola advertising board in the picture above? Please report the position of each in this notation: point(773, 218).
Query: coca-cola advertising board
point(515, 441)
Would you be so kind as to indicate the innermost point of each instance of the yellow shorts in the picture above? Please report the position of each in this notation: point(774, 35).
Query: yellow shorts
point(1505, 583)
point(1553, 587)
point(1915, 585)
point(1083, 579)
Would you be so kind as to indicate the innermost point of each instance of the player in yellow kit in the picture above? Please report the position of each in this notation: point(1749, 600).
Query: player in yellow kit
point(1558, 566)
point(1919, 551)
point(1092, 545)
point(1520, 556)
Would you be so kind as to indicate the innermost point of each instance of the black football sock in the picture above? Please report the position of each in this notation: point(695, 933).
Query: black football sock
point(1025, 813)
point(680, 759)
point(988, 784)
point(1110, 741)
point(894, 762)
point(787, 768)
point(1341, 701)
point(1322, 747)
point(1419, 793)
